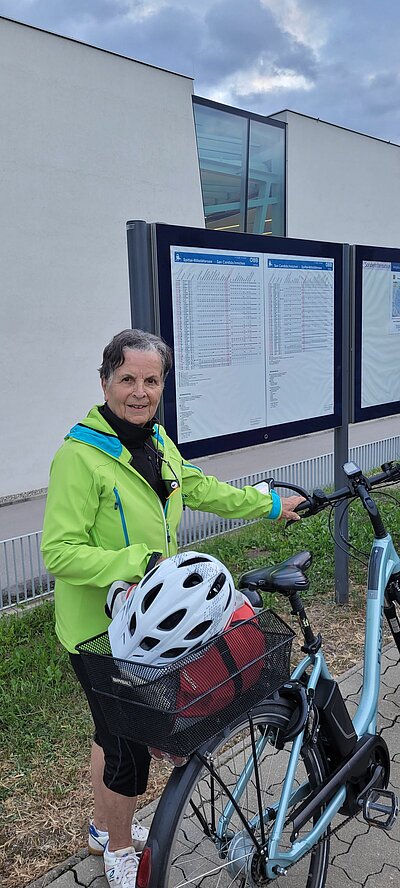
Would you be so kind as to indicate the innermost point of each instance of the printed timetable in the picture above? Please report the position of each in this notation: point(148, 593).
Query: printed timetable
point(253, 340)
point(380, 333)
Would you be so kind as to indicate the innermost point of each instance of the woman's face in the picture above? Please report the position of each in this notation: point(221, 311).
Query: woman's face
point(136, 387)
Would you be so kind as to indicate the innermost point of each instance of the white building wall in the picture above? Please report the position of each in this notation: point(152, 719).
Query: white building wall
point(88, 140)
point(341, 186)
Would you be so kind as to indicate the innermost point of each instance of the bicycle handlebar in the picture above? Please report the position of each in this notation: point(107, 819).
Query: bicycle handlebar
point(358, 485)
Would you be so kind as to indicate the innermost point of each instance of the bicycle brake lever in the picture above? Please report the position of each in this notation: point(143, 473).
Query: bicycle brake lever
point(311, 506)
point(292, 520)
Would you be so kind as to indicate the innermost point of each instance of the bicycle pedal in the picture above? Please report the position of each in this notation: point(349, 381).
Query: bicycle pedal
point(377, 811)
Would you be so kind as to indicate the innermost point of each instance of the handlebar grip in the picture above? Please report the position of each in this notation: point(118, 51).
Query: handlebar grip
point(312, 505)
point(390, 472)
point(302, 507)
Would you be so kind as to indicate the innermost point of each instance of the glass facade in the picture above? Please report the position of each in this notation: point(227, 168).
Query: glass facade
point(242, 169)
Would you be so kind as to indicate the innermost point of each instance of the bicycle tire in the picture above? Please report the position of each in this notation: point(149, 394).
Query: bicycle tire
point(182, 853)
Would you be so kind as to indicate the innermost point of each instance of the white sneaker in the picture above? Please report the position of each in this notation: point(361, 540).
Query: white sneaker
point(139, 835)
point(120, 867)
point(98, 838)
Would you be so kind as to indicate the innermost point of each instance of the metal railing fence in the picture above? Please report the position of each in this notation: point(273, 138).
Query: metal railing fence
point(23, 576)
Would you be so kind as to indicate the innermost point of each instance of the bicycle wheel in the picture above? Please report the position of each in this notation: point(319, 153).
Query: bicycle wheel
point(198, 839)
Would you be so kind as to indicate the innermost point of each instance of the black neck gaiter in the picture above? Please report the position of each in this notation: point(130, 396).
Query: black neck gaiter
point(137, 439)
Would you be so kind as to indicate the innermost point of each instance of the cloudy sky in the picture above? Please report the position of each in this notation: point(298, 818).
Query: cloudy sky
point(334, 59)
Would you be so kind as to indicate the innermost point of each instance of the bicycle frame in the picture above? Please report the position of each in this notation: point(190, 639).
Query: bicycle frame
point(383, 562)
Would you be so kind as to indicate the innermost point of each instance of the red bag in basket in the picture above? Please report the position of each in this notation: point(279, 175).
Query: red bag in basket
point(241, 646)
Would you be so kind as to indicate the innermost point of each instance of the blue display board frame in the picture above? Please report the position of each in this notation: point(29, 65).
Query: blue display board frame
point(163, 237)
point(384, 408)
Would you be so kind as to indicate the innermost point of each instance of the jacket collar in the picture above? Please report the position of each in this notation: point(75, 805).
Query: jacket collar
point(95, 431)
point(108, 443)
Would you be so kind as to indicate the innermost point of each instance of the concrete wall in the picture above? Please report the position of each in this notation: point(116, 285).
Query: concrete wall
point(88, 140)
point(341, 186)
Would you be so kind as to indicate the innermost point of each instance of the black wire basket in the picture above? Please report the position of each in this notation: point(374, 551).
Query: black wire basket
point(179, 706)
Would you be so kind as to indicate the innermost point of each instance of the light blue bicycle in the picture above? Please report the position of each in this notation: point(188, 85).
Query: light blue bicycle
point(254, 806)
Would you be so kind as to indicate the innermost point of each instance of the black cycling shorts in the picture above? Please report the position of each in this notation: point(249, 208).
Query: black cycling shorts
point(126, 767)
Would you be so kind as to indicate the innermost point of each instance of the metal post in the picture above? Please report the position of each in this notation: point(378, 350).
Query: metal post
point(341, 438)
point(140, 276)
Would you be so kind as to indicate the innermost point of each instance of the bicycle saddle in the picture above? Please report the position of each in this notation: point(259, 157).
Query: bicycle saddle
point(286, 577)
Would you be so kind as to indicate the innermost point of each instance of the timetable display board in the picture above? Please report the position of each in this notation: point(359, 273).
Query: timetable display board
point(254, 323)
point(376, 332)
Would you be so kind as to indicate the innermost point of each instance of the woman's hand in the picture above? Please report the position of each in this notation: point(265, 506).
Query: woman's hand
point(289, 504)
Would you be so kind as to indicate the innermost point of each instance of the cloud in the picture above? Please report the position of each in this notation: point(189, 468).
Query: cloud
point(302, 20)
point(233, 44)
point(334, 60)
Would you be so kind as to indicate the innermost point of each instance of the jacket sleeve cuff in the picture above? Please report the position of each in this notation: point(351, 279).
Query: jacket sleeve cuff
point(276, 510)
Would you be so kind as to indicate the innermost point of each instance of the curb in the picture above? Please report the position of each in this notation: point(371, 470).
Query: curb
point(59, 870)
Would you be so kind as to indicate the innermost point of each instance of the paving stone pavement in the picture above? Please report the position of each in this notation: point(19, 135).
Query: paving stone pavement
point(361, 856)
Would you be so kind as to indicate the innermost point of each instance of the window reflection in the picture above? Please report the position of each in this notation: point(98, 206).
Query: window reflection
point(265, 197)
point(222, 147)
point(242, 169)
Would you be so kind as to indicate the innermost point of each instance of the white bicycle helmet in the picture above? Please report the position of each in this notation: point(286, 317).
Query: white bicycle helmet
point(178, 606)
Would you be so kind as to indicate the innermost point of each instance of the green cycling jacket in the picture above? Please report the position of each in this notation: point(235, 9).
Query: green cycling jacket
point(103, 521)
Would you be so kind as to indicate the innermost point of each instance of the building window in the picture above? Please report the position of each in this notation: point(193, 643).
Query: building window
point(242, 169)
point(265, 192)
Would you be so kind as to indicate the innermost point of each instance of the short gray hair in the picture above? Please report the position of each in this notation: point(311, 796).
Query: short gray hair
point(136, 340)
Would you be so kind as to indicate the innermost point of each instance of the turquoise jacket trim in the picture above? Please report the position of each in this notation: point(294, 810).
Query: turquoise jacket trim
point(109, 444)
point(157, 436)
point(191, 466)
point(118, 505)
point(276, 506)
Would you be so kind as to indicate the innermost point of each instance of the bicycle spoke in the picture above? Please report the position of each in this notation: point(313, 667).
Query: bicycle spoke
point(214, 845)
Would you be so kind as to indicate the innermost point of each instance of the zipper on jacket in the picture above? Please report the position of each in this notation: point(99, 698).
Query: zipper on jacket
point(167, 524)
point(118, 505)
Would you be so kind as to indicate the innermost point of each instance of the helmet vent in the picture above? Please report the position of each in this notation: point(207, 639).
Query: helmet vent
point(172, 620)
point(148, 576)
point(172, 653)
point(198, 630)
point(216, 586)
point(197, 560)
point(229, 598)
point(147, 643)
point(132, 624)
point(150, 597)
point(192, 580)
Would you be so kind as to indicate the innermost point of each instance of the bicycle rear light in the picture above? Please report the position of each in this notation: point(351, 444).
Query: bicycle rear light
point(144, 869)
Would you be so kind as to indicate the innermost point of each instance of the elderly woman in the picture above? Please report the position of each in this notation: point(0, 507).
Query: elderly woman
point(116, 491)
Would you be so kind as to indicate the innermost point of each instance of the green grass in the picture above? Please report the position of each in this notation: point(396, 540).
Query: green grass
point(42, 704)
point(43, 712)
